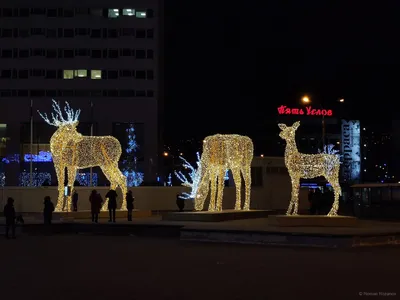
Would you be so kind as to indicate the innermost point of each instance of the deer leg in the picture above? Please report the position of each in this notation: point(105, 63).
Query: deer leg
point(71, 181)
point(220, 191)
point(246, 171)
point(121, 181)
point(294, 201)
point(337, 191)
point(60, 172)
point(107, 170)
point(238, 185)
point(211, 206)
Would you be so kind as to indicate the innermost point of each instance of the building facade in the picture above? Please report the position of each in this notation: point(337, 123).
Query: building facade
point(102, 57)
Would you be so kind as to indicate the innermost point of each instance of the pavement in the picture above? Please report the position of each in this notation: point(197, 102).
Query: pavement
point(121, 267)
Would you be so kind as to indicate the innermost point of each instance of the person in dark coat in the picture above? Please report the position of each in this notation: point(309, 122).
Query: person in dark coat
point(75, 197)
point(129, 204)
point(95, 205)
point(112, 204)
point(9, 214)
point(48, 210)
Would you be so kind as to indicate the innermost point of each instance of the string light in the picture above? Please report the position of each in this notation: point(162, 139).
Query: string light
point(84, 179)
point(194, 175)
point(309, 166)
point(220, 153)
point(38, 178)
point(73, 151)
point(129, 163)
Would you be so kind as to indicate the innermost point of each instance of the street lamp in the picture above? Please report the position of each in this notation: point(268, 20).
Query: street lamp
point(305, 99)
point(341, 100)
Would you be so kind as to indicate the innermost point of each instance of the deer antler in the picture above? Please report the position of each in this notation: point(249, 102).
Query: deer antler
point(57, 115)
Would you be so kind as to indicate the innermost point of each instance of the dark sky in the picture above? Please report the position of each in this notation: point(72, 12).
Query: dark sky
point(228, 66)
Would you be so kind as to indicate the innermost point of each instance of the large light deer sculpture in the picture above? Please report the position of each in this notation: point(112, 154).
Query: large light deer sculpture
point(302, 165)
point(73, 151)
point(220, 153)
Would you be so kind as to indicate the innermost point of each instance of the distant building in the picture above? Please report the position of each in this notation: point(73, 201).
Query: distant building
point(103, 57)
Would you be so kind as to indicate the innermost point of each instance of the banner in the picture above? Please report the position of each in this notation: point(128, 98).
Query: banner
point(351, 151)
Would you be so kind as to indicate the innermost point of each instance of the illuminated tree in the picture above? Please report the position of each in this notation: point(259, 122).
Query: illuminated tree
point(194, 177)
point(129, 169)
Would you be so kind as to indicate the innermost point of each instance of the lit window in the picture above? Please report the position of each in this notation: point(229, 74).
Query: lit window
point(68, 74)
point(113, 12)
point(80, 73)
point(140, 14)
point(128, 12)
point(95, 74)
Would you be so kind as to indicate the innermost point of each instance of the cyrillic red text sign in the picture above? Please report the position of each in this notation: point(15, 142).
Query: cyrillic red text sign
point(308, 111)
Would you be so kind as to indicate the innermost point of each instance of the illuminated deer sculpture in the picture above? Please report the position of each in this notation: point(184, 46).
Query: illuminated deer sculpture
point(73, 151)
point(220, 153)
point(302, 165)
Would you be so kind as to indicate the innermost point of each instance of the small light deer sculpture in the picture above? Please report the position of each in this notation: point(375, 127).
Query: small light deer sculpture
point(73, 151)
point(302, 165)
point(220, 153)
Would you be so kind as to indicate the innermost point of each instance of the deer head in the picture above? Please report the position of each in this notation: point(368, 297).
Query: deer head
point(288, 132)
point(66, 131)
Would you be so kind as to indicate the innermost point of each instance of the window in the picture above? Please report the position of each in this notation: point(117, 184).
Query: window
point(68, 53)
point(113, 53)
point(68, 12)
point(51, 53)
point(38, 31)
point(150, 93)
point(80, 73)
point(38, 11)
point(150, 53)
point(140, 93)
point(140, 53)
point(6, 53)
point(112, 33)
point(113, 13)
point(96, 53)
point(127, 52)
point(127, 93)
point(24, 33)
point(81, 11)
point(5, 93)
point(24, 12)
point(51, 93)
point(150, 13)
point(38, 93)
point(141, 74)
point(68, 74)
point(82, 93)
point(98, 12)
point(6, 73)
point(51, 74)
point(112, 74)
point(23, 53)
point(95, 33)
point(51, 33)
point(6, 32)
point(23, 93)
point(95, 74)
point(112, 93)
point(52, 12)
point(128, 31)
point(82, 52)
point(38, 52)
point(128, 12)
point(126, 73)
point(81, 31)
point(68, 32)
point(150, 33)
point(140, 33)
point(37, 72)
point(150, 74)
point(140, 14)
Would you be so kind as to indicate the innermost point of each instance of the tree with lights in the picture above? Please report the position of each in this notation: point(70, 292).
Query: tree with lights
point(129, 169)
point(194, 177)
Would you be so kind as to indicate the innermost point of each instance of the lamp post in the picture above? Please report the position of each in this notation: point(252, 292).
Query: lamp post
point(306, 100)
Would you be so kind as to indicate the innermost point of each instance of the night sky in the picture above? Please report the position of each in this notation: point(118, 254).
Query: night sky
point(228, 67)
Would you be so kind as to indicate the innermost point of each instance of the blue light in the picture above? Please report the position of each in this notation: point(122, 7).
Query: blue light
point(38, 178)
point(43, 156)
point(129, 164)
point(84, 179)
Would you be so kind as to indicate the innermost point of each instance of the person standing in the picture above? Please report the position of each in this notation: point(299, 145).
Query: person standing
point(48, 210)
point(180, 202)
point(112, 204)
point(75, 197)
point(9, 214)
point(95, 205)
point(129, 204)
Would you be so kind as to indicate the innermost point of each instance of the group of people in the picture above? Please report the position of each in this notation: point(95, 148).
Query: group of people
point(95, 207)
point(96, 201)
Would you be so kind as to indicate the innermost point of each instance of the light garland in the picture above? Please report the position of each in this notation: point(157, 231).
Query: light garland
point(84, 179)
point(38, 178)
point(220, 153)
point(74, 151)
point(194, 175)
point(43, 156)
point(309, 166)
point(129, 164)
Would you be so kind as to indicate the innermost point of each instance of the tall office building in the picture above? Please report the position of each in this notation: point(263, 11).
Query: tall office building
point(103, 57)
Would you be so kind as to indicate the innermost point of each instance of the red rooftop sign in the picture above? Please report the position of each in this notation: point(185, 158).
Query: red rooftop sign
point(308, 111)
